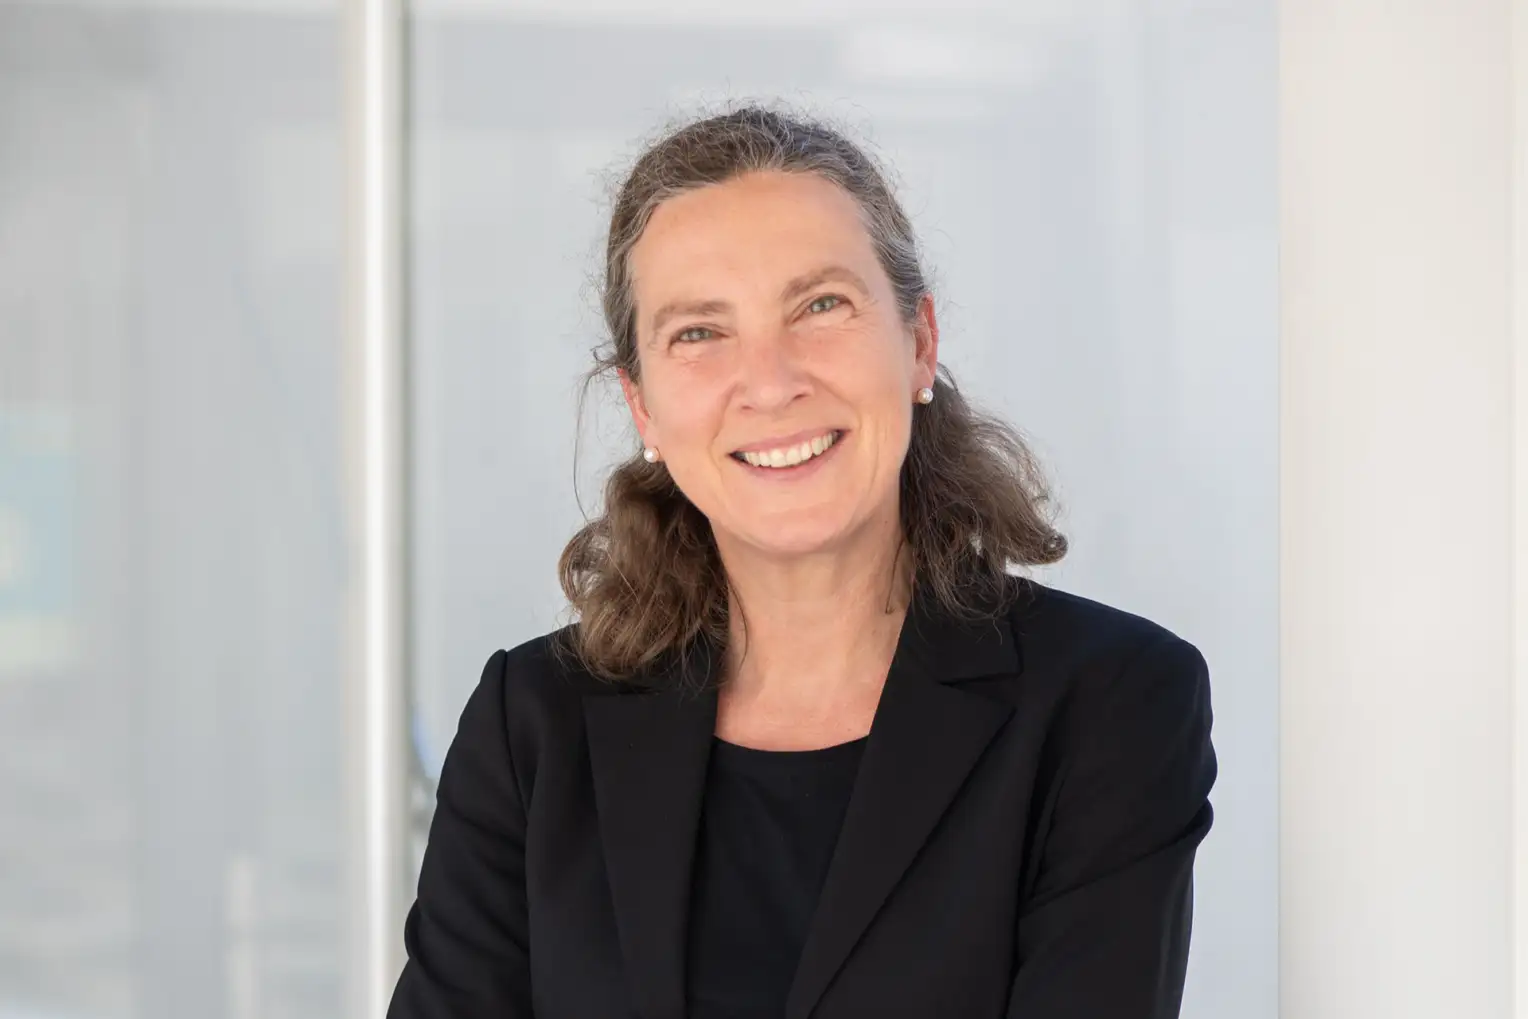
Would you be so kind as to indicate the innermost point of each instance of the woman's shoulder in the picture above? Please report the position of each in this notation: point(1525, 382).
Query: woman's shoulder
point(533, 692)
point(547, 666)
point(1041, 607)
point(1076, 634)
point(1130, 699)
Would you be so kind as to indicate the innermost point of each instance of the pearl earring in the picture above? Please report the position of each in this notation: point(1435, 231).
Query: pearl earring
point(925, 395)
point(650, 454)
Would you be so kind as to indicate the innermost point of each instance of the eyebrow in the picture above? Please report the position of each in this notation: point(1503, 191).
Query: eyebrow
point(801, 284)
point(795, 288)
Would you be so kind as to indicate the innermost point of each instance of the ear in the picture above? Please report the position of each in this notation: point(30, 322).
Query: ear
point(925, 343)
point(637, 405)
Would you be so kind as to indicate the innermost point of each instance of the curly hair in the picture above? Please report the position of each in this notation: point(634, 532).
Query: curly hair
point(644, 576)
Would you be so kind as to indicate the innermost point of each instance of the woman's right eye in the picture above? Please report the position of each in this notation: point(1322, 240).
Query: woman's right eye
point(692, 334)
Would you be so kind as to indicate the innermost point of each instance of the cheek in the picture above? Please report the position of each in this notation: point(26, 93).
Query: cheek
point(685, 410)
point(873, 355)
point(895, 427)
point(876, 379)
point(885, 405)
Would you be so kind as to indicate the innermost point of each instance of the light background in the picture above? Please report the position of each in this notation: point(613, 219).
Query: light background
point(172, 613)
point(1096, 186)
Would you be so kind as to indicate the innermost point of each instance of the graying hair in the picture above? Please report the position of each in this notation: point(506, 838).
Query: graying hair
point(749, 140)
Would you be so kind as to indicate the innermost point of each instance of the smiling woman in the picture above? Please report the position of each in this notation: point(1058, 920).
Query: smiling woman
point(789, 305)
point(812, 748)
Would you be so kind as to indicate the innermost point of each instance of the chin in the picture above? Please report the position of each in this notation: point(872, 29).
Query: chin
point(791, 537)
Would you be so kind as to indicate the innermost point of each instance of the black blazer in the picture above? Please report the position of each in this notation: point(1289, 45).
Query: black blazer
point(1019, 842)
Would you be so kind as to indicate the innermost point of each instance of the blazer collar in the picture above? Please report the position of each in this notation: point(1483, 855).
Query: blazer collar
point(649, 752)
point(944, 648)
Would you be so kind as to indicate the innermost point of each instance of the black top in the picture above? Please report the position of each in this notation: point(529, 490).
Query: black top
point(769, 823)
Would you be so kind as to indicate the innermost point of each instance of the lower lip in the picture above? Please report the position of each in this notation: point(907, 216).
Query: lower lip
point(800, 471)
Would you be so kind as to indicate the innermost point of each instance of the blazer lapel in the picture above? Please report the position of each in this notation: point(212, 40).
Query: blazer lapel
point(925, 738)
point(648, 753)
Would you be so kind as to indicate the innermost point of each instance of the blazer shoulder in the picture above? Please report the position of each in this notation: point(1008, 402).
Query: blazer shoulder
point(546, 666)
point(1054, 624)
point(1114, 670)
point(537, 689)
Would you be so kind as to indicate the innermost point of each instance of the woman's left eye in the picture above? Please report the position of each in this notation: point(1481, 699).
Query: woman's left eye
point(827, 302)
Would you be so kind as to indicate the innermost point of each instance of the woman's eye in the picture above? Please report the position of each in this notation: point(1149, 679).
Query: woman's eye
point(692, 335)
point(827, 302)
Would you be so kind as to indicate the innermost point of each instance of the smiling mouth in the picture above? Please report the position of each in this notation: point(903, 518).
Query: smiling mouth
point(789, 456)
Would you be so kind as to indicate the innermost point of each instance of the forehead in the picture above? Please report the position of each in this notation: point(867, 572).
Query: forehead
point(769, 223)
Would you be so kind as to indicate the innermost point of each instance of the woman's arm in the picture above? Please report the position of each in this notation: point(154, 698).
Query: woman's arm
point(1105, 930)
point(466, 936)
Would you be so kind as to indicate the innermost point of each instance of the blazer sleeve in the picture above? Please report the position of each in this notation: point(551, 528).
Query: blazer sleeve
point(1104, 931)
point(466, 933)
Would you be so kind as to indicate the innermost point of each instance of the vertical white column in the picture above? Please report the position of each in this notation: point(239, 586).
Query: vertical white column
point(1396, 841)
point(1520, 499)
point(375, 406)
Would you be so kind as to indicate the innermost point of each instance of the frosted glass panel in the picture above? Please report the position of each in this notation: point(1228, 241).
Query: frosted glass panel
point(171, 557)
point(1095, 184)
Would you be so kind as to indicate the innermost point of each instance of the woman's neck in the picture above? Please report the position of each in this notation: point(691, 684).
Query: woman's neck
point(816, 631)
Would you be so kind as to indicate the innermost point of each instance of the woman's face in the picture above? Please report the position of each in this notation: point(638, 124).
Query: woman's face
point(777, 376)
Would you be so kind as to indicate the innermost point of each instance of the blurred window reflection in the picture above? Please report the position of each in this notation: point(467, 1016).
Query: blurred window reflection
point(171, 554)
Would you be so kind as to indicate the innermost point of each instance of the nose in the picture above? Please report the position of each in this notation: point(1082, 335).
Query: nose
point(771, 372)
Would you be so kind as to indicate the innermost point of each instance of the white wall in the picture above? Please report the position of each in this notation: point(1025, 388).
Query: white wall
point(1520, 499)
point(1397, 847)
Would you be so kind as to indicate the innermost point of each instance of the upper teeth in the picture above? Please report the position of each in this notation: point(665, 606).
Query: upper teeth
point(790, 456)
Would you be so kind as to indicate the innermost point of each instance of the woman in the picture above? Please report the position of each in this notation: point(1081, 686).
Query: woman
point(811, 749)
